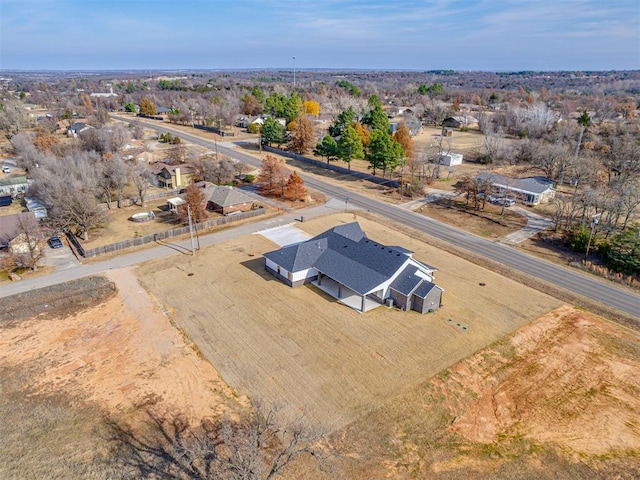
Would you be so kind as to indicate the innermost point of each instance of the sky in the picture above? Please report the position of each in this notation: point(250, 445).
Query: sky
point(485, 35)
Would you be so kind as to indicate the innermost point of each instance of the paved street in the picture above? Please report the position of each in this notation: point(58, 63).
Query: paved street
point(578, 282)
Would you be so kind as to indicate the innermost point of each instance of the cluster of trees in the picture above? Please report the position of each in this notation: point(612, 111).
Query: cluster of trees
point(276, 180)
point(72, 178)
point(366, 136)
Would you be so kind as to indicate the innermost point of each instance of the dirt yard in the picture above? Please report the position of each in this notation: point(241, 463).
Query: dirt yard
point(559, 398)
point(302, 349)
point(60, 376)
point(487, 222)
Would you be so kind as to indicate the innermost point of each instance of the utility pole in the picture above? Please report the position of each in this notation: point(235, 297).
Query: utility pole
point(594, 223)
point(294, 73)
point(193, 247)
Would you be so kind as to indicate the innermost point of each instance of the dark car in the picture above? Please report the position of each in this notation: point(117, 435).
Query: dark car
point(55, 242)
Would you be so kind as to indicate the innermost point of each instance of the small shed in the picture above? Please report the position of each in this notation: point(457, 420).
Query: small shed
point(449, 159)
point(174, 203)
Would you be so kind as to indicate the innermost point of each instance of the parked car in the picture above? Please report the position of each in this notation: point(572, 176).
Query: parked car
point(55, 242)
point(507, 202)
point(6, 169)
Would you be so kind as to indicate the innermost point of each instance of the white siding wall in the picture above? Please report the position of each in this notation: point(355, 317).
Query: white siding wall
point(272, 265)
point(304, 274)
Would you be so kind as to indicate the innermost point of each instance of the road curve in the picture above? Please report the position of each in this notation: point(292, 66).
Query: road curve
point(575, 281)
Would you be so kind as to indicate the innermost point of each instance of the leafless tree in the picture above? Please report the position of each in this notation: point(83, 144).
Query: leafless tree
point(137, 130)
point(253, 448)
point(224, 170)
point(142, 178)
point(493, 146)
point(119, 136)
point(31, 242)
point(629, 200)
point(116, 178)
point(96, 139)
point(176, 154)
point(67, 187)
point(13, 118)
point(551, 159)
point(29, 155)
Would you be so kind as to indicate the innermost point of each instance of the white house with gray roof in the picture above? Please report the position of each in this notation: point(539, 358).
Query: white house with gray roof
point(358, 271)
point(529, 190)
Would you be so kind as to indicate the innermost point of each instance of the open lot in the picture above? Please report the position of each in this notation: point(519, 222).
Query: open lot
point(488, 222)
point(62, 374)
point(557, 399)
point(304, 350)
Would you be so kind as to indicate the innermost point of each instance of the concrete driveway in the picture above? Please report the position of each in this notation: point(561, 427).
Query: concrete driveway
point(535, 223)
point(60, 258)
point(285, 235)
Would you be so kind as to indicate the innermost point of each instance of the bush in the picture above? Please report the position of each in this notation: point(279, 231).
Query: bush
point(253, 128)
point(249, 178)
point(622, 253)
point(578, 238)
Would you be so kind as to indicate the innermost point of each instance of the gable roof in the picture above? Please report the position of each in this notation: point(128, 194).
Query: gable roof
point(19, 180)
point(345, 254)
point(225, 196)
point(10, 226)
point(526, 185)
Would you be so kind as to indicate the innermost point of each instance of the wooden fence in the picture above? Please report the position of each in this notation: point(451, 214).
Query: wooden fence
point(175, 232)
point(127, 202)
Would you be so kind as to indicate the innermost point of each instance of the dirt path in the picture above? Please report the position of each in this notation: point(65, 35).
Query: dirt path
point(120, 355)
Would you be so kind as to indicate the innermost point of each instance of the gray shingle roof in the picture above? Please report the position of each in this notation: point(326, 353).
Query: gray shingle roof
point(407, 281)
point(527, 185)
point(423, 290)
point(345, 254)
point(225, 196)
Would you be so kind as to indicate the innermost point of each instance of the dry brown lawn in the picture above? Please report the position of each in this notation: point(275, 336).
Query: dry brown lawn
point(304, 350)
point(487, 222)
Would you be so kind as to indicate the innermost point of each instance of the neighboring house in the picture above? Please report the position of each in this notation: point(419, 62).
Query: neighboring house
point(226, 200)
point(358, 271)
point(449, 159)
point(173, 176)
point(105, 95)
point(139, 155)
point(38, 208)
point(530, 190)
point(20, 246)
point(321, 119)
point(10, 227)
point(77, 128)
point(163, 110)
point(13, 185)
point(459, 121)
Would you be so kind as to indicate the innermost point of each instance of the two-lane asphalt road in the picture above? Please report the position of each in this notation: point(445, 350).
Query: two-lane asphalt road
point(583, 284)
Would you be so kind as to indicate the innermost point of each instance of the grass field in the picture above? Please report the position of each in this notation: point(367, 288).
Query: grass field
point(304, 350)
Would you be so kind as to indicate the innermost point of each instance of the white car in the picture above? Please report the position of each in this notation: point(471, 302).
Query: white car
point(6, 169)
